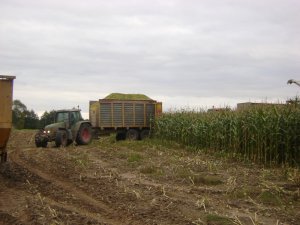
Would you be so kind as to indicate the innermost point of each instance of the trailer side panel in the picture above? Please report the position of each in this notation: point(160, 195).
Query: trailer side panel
point(6, 91)
point(116, 114)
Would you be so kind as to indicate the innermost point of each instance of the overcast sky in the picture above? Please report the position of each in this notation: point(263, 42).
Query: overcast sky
point(185, 53)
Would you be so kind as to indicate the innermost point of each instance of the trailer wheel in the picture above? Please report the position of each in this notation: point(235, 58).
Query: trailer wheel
point(84, 135)
point(61, 138)
point(132, 134)
point(121, 135)
point(145, 134)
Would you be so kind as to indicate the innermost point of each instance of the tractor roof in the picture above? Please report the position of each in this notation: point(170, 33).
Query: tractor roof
point(69, 110)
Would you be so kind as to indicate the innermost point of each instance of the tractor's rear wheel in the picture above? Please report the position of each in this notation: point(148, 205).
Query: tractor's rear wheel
point(84, 135)
point(61, 139)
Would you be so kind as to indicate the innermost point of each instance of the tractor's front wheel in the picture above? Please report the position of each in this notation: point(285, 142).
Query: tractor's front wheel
point(38, 143)
point(41, 144)
point(84, 135)
point(61, 139)
point(40, 140)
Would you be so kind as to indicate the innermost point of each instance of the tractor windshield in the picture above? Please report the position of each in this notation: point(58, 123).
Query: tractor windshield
point(71, 116)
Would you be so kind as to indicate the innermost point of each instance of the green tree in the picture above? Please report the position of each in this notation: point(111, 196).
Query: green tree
point(22, 118)
point(31, 120)
point(47, 118)
point(18, 114)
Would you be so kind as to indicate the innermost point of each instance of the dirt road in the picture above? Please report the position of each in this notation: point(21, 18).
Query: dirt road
point(145, 182)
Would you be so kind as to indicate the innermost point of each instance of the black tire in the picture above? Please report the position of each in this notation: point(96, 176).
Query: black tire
point(132, 134)
point(121, 135)
point(61, 138)
point(44, 144)
point(84, 135)
point(38, 143)
point(41, 144)
point(69, 142)
point(145, 134)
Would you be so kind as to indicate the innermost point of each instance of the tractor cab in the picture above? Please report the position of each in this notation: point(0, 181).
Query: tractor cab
point(70, 117)
point(68, 126)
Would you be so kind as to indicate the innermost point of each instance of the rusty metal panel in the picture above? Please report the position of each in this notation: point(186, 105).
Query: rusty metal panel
point(94, 113)
point(117, 115)
point(6, 86)
point(4, 136)
point(128, 114)
point(150, 112)
point(105, 115)
point(125, 113)
point(6, 90)
point(139, 115)
point(158, 109)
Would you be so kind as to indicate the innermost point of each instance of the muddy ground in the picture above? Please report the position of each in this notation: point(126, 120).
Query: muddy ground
point(143, 182)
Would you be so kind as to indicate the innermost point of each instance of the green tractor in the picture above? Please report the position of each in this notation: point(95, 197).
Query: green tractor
point(68, 127)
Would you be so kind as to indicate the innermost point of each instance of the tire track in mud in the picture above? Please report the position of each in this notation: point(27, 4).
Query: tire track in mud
point(93, 209)
point(7, 219)
point(13, 204)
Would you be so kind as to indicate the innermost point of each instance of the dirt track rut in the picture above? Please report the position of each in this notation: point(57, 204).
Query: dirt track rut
point(55, 183)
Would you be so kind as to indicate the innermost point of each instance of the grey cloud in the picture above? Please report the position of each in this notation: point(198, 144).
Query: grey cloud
point(230, 49)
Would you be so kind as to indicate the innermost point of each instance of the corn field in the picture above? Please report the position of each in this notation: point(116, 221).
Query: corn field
point(268, 135)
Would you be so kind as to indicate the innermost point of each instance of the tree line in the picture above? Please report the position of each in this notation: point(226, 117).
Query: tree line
point(23, 118)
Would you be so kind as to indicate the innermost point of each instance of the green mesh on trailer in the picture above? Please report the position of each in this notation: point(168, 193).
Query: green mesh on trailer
point(120, 96)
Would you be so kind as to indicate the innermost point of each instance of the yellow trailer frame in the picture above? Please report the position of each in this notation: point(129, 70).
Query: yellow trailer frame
point(6, 92)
